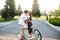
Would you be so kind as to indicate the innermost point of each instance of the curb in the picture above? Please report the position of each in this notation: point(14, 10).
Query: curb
point(10, 22)
point(0, 25)
point(55, 27)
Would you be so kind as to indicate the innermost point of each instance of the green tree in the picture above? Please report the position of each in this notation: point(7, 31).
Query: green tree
point(4, 12)
point(0, 12)
point(35, 9)
point(11, 4)
point(9, 10)
point(19, 10)
point(45, 14)
point(57, 12)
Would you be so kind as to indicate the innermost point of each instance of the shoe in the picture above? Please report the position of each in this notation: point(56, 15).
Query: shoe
point(19, 35)
point(21, 39)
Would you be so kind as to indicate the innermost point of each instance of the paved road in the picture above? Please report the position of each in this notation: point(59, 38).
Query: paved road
point(46, 30)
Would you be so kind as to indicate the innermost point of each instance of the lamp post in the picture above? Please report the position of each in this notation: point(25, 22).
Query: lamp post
point(8, 12)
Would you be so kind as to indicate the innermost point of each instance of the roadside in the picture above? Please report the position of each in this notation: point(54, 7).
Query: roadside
point(6, 23)
point(13, 37)
point(49, 39)
point(8, 37)
point(56, 27)
point(45, 21)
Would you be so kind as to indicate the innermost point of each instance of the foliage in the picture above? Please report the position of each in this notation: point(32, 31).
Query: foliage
point(55, 12)
point(9, 10)
point(35, 9)
point(19, 11)
point(1, 19)
point(4, 12)
point(55, 21)
point(0, 12)
point(45, 14)
point(13, 19)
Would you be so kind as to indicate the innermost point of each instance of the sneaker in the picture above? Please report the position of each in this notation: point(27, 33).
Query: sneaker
point(19, 35)
point(21, 39)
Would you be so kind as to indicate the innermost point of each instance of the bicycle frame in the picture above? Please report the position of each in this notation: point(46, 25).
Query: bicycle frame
point(26, 28)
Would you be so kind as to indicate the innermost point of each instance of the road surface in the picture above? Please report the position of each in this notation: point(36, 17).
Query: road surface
point(46, 30)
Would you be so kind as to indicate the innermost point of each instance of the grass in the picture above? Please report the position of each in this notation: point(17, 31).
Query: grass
point(1, 19)
point(13, 19)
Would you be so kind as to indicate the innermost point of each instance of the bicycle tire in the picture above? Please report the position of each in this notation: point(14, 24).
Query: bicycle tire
point(39, 33)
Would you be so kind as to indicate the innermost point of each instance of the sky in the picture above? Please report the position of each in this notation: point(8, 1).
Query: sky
point(27, 4)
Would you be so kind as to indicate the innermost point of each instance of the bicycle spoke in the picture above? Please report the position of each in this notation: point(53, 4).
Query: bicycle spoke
point(37, 34)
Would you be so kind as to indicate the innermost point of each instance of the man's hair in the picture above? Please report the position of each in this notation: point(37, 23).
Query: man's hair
point(26, 11)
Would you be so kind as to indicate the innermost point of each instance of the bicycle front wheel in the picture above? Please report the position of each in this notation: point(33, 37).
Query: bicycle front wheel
point(37, 34)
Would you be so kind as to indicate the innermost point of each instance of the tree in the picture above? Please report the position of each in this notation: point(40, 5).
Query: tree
point(46, 15)
point(11, 4)
point(51, 13)
point(19, 10)
point(4, 12)
point(0, 12)
point(57, 12)
point(9, 10)
point(35, 9)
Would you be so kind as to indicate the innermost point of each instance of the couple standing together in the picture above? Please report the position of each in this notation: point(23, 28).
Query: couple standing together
point(25, 20)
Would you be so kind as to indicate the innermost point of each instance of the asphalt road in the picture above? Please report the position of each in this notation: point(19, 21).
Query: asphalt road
point(46, 30)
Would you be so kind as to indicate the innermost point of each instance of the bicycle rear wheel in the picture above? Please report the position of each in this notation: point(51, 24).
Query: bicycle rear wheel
point(37, 34)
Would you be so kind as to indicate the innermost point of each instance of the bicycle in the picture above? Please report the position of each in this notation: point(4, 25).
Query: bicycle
point(36, 33)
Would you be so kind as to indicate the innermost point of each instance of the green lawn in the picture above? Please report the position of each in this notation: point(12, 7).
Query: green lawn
point(1, 19)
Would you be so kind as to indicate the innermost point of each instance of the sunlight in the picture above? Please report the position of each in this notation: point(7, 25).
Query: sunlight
point(27, 4)
point(43, 4)
point(48, 4)
point(2, 3)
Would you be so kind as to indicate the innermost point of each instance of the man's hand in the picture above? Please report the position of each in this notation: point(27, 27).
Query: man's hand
point(26, 21)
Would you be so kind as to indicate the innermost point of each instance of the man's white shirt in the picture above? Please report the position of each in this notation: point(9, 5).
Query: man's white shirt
point(22, 18)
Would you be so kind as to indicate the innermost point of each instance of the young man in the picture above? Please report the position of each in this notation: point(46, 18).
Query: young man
point(22, 22)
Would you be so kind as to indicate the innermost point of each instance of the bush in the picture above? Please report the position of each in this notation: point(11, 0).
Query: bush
point(1, 19)
point(13, 19)
point(55, 21)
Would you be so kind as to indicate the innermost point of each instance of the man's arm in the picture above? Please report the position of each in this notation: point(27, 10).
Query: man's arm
point(26, 21)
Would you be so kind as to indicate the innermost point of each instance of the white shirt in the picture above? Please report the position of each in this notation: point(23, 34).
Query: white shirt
point(22, 18)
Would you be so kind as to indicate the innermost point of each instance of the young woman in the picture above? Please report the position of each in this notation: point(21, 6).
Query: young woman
point(30, 24)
